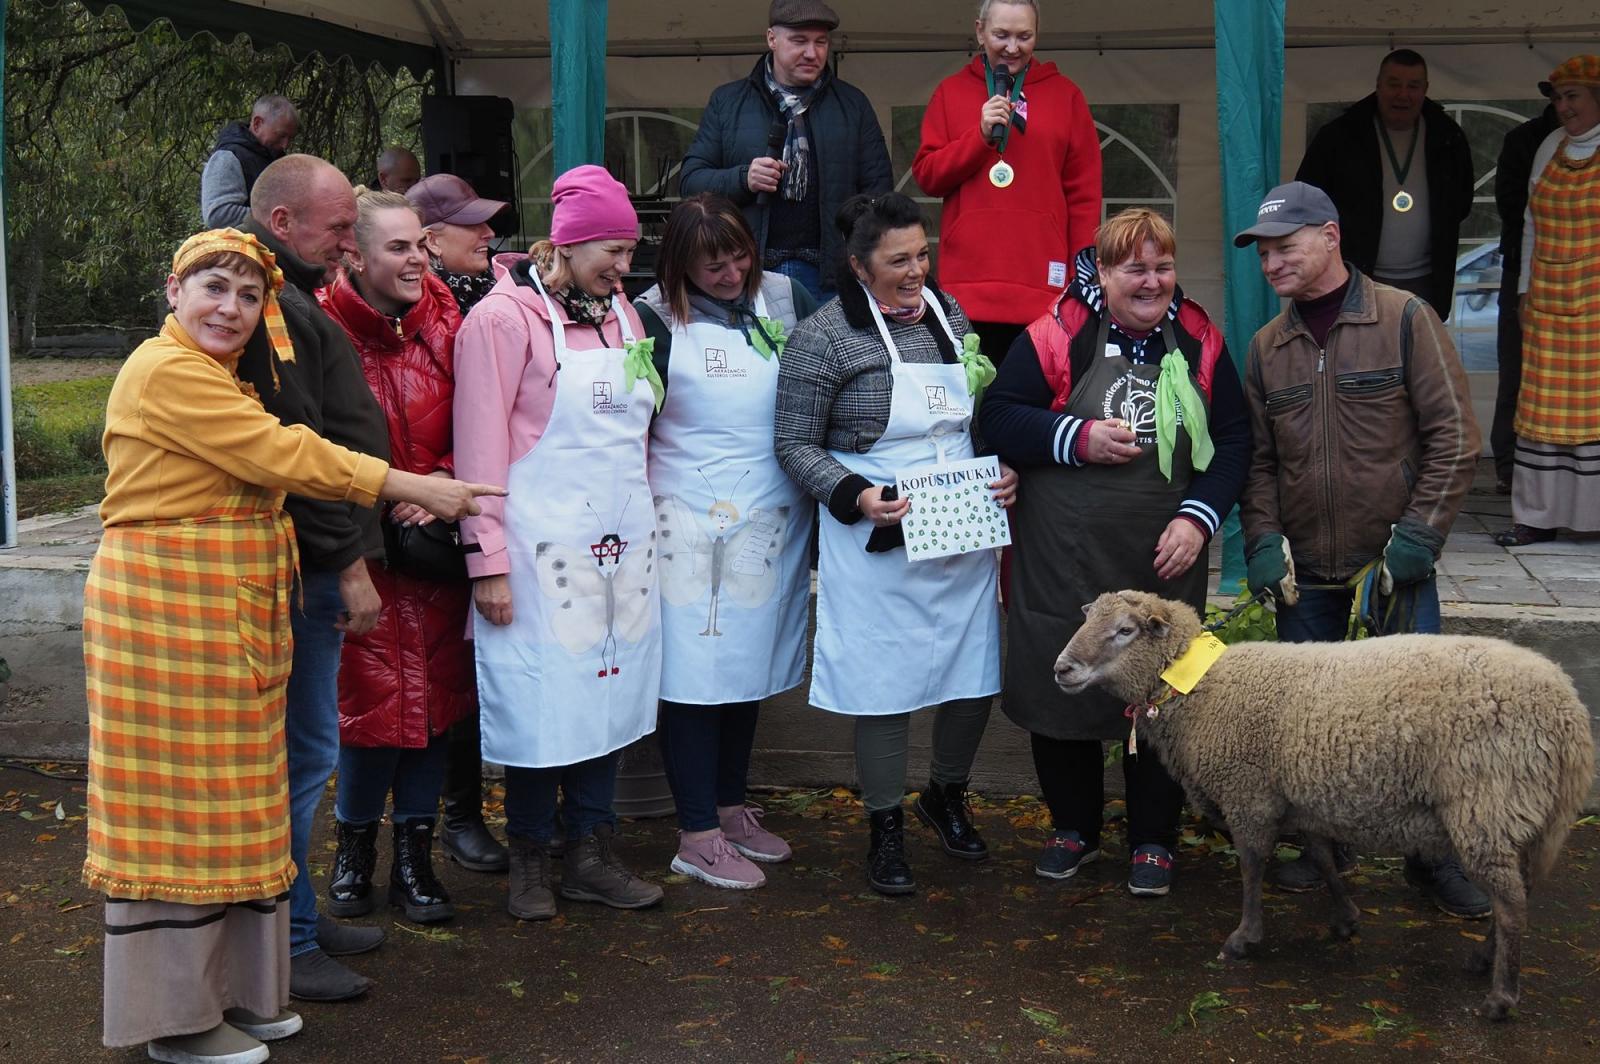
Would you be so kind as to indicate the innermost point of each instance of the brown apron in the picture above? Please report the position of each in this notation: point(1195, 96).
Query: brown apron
point(1082, 530)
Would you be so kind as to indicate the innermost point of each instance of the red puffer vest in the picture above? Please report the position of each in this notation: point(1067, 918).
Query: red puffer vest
point(412, 676)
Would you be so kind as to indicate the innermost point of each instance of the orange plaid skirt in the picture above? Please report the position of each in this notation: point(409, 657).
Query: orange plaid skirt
point(187, 648)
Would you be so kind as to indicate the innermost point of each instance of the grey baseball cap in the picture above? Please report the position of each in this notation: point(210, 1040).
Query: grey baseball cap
point(1287, 208)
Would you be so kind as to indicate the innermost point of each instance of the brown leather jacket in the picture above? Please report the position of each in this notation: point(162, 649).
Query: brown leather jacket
point(1374, 430)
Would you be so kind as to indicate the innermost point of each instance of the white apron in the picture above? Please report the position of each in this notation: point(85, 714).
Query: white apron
point(576, 673)
point(893, 635)
point(734, 531)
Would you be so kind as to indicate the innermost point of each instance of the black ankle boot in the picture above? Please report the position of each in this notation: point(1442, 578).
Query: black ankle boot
point(887, 869)
point(350, 882)
point(943, 807)
point(412, 884)
point(464, 836)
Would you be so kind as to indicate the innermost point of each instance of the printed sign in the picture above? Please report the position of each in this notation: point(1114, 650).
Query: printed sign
point(952, 509)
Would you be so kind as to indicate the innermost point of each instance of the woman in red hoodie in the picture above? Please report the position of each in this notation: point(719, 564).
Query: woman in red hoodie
point(1020, 205)
point(404, 683)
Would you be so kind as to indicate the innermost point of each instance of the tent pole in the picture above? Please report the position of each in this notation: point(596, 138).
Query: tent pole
point(1249, 134)
point(8, 454)
point(578, 81)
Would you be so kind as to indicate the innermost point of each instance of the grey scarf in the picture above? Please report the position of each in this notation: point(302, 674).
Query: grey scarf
point(797, 145)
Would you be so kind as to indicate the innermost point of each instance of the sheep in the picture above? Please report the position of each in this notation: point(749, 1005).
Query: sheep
point(1416, 743)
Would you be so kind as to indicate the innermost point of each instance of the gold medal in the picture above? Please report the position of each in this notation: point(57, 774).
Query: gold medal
point(1402, 201)
point(1001, 174)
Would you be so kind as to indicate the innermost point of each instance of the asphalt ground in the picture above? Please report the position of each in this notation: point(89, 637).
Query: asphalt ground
point(985, 962)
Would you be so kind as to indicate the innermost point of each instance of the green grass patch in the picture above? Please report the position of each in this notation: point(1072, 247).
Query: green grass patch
point(52, 495)
point(57, 431)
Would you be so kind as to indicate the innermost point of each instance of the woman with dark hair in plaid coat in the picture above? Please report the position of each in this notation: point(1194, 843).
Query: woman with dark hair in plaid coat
point(885, 378)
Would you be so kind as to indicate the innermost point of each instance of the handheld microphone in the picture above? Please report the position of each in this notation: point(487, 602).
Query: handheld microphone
point(1003, 82)
point(777, 133)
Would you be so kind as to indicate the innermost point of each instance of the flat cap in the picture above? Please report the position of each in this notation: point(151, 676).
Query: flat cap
point(802, 13)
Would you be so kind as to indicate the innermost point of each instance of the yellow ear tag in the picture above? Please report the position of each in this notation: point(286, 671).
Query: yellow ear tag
point(1185, 673)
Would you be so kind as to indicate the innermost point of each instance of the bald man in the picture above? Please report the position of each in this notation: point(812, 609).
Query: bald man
point(304, 210)
point(242, 151)
point(398, 170)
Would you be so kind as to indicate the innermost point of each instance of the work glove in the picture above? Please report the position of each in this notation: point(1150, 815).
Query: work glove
point(1409, 555)
point(1269, 567)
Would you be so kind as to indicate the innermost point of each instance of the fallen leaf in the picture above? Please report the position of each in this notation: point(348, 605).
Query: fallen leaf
point(44, 838)
point(834, 942)
point(1472, 935)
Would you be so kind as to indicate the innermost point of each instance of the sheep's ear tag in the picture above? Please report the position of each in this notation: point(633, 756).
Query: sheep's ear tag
point(1185, 673)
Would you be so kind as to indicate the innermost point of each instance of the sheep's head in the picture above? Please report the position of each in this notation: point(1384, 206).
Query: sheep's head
point(1127, 639)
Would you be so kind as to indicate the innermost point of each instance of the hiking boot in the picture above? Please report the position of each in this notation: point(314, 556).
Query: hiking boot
point(315, 976)
point(1300, 875)
point(264, 1028)
point(412, 884)
point(346, 940)
point(528, 895)
point(1064, 853)
point(713, 860)
point(1448, 887)
point(943, 807)
point(741, 826)
point(350, 881)
point(222, 1044)
point(593, 873)
point(887, 869)
point(1152, 871)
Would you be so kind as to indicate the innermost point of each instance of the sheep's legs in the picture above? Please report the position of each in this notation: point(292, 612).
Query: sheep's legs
point(1346, 915)
point(1510, 917)
point(1252, 863)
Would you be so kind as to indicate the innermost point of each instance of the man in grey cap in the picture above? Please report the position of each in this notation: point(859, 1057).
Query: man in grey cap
point(1364, 449)
point(789, 144)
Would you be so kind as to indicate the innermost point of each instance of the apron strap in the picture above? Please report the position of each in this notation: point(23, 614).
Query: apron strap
point(558, 328)
point(883, 328)
point(1104, 334)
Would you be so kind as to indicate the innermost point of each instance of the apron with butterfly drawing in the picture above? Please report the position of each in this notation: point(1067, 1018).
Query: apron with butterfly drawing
point(895, 635)
point(576, 673)
point(733, 530)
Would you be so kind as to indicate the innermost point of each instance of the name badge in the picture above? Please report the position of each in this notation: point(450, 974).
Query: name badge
point(1058, 275)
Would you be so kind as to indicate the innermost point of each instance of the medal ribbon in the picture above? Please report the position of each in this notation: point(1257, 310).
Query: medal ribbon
point(1400, 171)
point(1016, 94)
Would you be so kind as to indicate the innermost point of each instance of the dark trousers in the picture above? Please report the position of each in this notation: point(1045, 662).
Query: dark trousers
point(463, 778)
point(368, 773)
point(1508, 349)
point(706, 753)
point(996, 338)
point(1323, 614)
point(1421, 287)
point(1072, 780)
point(587, 790)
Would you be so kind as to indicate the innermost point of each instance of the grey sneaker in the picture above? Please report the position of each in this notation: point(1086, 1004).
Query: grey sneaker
point(222, 1044)
point(264, 1028)
point(593, 873)
point(315, 976)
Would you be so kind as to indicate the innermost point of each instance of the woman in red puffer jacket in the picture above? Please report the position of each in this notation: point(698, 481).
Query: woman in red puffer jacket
point(404, 683)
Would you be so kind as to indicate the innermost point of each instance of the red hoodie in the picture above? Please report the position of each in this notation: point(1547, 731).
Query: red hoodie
point(1006, 254)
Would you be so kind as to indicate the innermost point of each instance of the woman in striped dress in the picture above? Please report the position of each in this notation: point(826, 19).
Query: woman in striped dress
point(187, 651)
point(1557, 482)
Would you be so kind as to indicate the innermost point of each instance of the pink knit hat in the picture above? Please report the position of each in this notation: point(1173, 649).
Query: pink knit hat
point(590, 204)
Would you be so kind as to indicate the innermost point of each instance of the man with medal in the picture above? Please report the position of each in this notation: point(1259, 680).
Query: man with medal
point(1400, 172)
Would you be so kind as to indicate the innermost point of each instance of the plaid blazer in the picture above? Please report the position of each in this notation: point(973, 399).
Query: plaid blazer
point(834, 384)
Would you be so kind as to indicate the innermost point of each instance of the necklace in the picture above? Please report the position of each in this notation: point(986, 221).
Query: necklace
point(1403, 201)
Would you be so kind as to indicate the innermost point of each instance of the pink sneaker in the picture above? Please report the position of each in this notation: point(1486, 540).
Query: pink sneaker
point(712, 860)
point(742, 826)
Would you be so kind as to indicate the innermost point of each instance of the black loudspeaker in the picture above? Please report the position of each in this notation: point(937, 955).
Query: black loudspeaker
point(470, 136)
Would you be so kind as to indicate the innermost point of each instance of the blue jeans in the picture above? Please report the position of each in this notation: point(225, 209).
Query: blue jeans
point(1321, 615)
point(312, 730)
point(587, 790)
point(368, 773)
point(706, 752)
point(807, 275)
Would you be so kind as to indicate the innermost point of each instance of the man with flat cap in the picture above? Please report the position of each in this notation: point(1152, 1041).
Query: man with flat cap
point(789, 144)
point(1364, 449)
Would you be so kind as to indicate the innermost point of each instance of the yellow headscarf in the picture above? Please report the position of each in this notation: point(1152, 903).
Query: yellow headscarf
point(214, 240)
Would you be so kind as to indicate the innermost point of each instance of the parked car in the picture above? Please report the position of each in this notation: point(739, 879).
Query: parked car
point(1475, 311)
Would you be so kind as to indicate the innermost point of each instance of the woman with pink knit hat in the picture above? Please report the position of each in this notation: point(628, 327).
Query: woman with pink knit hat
point(555, 390)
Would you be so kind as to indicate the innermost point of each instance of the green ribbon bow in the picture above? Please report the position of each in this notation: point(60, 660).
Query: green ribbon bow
point(980, 371)
point(769, 337)
point(1175, 392)
point(638, 364)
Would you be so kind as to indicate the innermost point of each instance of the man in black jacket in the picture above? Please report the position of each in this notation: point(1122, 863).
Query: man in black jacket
point(242, 151)
point(304, 210)
point(1512, 173)
point(1400, 172)
point(831, 146)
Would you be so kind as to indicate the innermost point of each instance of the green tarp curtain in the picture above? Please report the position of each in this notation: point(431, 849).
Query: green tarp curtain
point(578, 81)
point(1249, 134)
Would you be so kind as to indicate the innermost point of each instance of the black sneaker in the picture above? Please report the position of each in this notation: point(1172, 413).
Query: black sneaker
point(1064, 853)
point(1448, 887)
point(1300, 875)
point(1152, 871)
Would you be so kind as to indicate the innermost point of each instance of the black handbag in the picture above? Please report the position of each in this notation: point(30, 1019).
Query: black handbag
point(424, 552)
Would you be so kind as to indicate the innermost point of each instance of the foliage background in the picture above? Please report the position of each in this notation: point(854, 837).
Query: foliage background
point(106, 132)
